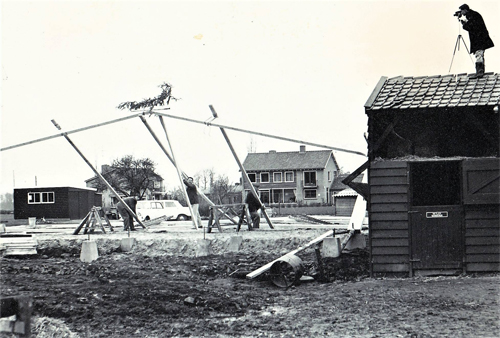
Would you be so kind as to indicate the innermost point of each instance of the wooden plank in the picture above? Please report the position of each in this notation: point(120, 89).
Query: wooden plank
point(484, 232)
point(482, 241)
point(483, 267)
point(389, 234)
point(492, 212)
point(395, 180)
point(395, 242)
point(474, 224)
point(389, 189)
point(482, 249)
point(389, 198)
point(392, 207)
point(381, 165)
point(266, 267)
point(389, 216)
point(390, 259)
point(388, 225)
point(392, 172)
point(389, 251)
point(390, 267)
point(483, 258)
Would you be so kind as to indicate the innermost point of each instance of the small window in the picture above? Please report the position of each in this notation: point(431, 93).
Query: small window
point(309, 193)
point(41, 197)
point(329, 176)
point(277, 177)
point(264, 177)
point(310, 178)
point(252, 177)
point(289, 176)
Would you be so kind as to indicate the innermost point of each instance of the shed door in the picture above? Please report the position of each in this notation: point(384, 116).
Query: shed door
point(436, 215)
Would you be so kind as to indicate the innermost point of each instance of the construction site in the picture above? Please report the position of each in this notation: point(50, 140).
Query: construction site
point(405, 245)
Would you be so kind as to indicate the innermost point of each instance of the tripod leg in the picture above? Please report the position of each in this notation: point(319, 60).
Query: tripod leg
point(457, 46)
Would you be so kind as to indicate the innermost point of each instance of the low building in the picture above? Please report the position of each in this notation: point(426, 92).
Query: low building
point(300, 177)
point(55, 202)
point(433, 175)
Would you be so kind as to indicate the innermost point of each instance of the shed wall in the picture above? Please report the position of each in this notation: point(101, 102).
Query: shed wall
point(388, 210)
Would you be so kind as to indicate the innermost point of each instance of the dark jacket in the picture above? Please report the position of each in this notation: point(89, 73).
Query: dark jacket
point(253, 203)
point(191, 192)
point(130, 201)
point(478, 34)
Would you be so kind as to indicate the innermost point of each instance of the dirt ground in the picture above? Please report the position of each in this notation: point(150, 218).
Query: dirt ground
point(160, 289)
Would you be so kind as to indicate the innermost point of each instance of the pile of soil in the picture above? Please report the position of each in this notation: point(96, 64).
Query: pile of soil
point(136, 295)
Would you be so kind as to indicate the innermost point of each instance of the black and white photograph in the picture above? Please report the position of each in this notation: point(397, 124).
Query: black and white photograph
point(245, 168)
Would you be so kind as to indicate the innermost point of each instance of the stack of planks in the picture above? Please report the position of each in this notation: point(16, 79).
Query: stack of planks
point(17, 244)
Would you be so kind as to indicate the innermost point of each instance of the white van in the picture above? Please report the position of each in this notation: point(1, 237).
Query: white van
point(151, 209)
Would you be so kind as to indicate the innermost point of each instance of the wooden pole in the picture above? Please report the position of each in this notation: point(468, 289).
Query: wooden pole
point(245, 175)
point(258, 133)
point(193, 216)
point(99, 175)
point(184, 175)
point(71, 132)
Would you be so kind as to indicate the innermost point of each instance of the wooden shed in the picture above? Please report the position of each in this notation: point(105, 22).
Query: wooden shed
point(433, 175)
point(55, 202)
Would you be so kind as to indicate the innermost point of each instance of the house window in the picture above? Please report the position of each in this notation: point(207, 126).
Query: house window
point(41, 197)
point(251, 176)
point(329, 176)
point(289, 196)
point(264, 196)
point(264, 177)
point(309, 193)
point(289, 176)
point(277, 195)
point(278, 177)
point(310, 178)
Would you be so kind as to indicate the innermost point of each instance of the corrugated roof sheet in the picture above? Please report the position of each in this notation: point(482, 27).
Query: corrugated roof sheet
point(293, 160)
point(435, 91)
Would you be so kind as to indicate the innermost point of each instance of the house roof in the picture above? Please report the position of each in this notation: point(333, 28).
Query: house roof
point(292, 160)
point(337, 184)
point(346, 193)
point(435, 91)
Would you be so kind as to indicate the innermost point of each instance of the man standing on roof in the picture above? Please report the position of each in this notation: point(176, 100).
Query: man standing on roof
point(479, 37)
point(254, 206)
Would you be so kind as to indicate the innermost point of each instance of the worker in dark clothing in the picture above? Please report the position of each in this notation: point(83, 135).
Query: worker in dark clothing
point(192, 193)
point(128, 218)
point(254, 206)
point(479, 37)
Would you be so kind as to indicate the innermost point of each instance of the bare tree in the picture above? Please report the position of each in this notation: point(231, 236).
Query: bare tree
point(205, 178)
point(252, 145)
point(221, 188)
point(130, 176)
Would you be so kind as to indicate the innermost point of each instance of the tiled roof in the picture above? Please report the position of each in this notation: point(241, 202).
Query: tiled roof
point(435, 91)
point(337, 184)
point(316, 159)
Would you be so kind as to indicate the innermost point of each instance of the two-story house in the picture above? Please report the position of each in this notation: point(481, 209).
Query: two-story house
point(302, 177)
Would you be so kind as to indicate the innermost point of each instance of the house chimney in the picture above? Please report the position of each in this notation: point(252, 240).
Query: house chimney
point(302, 149)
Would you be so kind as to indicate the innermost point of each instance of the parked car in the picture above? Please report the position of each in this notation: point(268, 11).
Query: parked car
point(152, 209)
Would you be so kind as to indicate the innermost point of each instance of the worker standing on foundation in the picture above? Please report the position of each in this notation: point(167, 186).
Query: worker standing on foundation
point(192, 193)
point(128, 218)
point(254, 206)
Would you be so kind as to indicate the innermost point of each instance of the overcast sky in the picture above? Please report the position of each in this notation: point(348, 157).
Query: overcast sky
point(301, 70)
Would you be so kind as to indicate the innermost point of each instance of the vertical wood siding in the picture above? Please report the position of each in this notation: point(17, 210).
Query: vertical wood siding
point(388, 206)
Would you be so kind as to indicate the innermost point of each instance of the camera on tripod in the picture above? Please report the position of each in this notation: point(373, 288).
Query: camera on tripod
point(458, 14)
